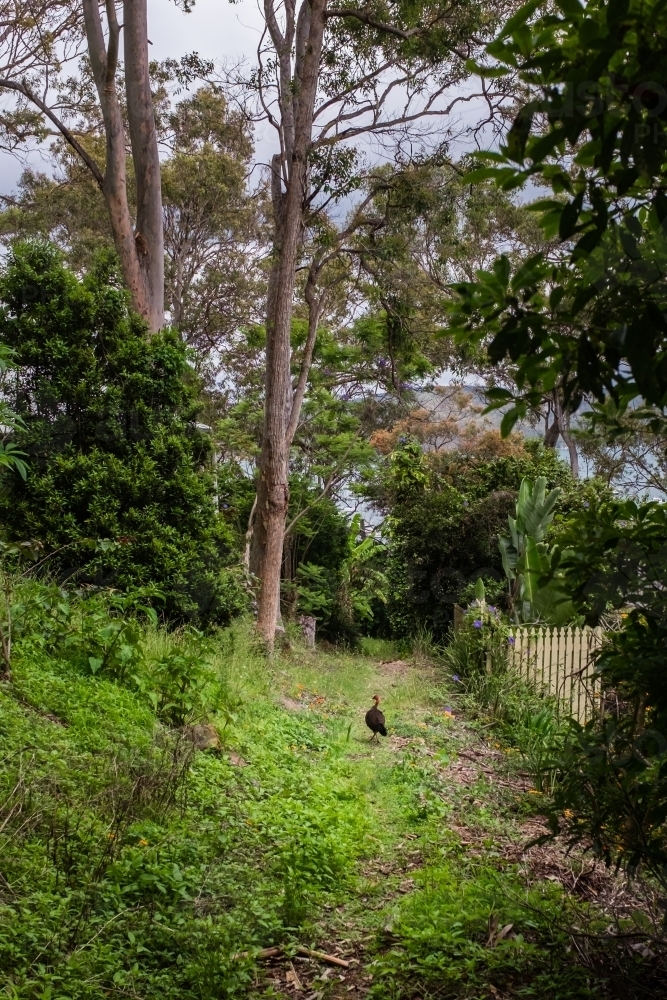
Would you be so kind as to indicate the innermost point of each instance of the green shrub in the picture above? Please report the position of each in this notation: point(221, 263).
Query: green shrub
point(612, 790)
point(109, 425)
point(479, 647)
point(115, 637)
point(526, 717)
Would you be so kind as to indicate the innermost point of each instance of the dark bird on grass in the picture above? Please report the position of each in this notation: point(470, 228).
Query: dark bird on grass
point(375, 720)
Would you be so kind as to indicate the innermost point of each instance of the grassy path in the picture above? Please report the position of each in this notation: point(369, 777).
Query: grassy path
point(134, 867)
point(435, 895)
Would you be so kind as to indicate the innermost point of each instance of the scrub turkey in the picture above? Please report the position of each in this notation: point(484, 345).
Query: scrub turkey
point(375, 720)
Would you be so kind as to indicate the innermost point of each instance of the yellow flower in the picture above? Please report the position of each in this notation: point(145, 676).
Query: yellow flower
point(143, 843)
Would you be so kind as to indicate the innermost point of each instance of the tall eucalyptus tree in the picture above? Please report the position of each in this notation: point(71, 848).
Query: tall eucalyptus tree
point(327, 77)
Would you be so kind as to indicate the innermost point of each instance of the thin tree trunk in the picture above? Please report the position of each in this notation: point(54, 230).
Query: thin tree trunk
point(248, 536)
point(149, 235)
point(141, 257)
point(273, 489)
point(564, 423)
point(314, 310)
point(258, 541)
point(551, 435)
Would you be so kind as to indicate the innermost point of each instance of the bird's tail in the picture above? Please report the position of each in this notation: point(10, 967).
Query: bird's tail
point(382, 730)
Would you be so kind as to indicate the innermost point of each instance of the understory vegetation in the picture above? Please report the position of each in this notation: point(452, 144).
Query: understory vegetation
point(149, 852)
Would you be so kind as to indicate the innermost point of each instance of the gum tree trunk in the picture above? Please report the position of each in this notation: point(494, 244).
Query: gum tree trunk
point(149, 233)
point(141, 252)
point(289, 191)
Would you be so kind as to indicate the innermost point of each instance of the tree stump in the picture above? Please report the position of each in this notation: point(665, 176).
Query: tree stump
point(308, 625)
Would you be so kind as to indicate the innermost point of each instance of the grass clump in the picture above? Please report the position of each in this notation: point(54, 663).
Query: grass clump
point(471, 931)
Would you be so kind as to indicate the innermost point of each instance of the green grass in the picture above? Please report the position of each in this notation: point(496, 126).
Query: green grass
point(133, 866)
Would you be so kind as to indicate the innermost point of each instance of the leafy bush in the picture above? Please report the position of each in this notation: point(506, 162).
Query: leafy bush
point(613, 773)
point(525, 717)
point(479, 646)
point(525, 555)
point(109, 424)
point(114, 636)
point(344, 597)
point(444, 517)
point(180, 684)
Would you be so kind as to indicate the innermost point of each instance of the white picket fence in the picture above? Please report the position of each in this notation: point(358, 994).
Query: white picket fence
point(560, 661)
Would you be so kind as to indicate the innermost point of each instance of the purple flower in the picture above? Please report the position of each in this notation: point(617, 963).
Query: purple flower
point(456, 678)
point(492, 608)
point(477, 623)
point(510, 639)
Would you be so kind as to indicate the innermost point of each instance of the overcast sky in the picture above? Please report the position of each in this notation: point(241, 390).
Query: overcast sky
point(224, 32)
point(216, 29)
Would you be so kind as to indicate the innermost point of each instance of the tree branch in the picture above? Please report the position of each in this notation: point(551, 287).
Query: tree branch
point(22, 88)
point(314, 309)
point(390, 29)
point(112, 51)
point(371, 22)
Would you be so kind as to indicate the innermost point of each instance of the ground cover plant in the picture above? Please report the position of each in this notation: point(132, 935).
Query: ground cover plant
point(139, 859)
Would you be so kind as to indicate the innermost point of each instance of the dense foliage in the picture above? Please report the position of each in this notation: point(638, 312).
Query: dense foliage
point(613, 784)
point(133, 862)
point(445, 515)
point(109, 425)
point(591, 126)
